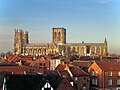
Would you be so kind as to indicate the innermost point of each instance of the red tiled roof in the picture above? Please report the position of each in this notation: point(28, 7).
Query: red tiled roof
point(60, 67)
point(109, 65)
point(76, 71)
point(7, 63)
point(12, 58)
point(66, 75)
point(25, 58)
point(13, 69)
point(1, 59)
point(15, 58)
point(41, 59)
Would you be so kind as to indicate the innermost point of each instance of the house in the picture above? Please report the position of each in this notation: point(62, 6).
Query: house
point(40, 62)
point(76, 76)
point(54, 63)
point(105, 75)
point(83, 64)
point(35, 82)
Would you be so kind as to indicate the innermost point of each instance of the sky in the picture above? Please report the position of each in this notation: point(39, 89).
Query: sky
point(85, 20)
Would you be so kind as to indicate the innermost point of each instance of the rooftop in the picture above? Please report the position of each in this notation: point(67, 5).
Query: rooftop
point(109, 65)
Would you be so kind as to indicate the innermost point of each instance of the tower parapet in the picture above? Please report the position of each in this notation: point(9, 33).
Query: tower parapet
point(59, 35)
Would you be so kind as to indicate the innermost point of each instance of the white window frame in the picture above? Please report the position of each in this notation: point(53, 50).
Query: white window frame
point(118, 82)
point(110, 82)
point(109, 73)
point(94, 73)
point(118, 73)
point(94, 81)
point(76, 78)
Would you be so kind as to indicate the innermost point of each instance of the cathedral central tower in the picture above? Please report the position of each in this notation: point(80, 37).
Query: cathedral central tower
point(59, 35)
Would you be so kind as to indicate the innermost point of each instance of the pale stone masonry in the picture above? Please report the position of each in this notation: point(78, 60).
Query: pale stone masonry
point(58, 45)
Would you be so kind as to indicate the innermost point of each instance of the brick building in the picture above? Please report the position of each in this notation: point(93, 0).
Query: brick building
point(105, 75)
point(76, 76)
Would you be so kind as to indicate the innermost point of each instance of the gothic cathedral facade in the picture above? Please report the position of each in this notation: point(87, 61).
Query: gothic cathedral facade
point(58, 45)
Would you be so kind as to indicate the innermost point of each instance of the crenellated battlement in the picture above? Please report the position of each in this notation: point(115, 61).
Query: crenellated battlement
point(21, 31)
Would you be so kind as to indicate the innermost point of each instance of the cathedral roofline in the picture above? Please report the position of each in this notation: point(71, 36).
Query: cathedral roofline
point(59, 28)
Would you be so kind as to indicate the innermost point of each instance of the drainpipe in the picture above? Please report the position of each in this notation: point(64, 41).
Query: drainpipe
point(103, 79)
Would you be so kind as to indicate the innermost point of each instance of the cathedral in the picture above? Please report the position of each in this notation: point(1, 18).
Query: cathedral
point(58, 45)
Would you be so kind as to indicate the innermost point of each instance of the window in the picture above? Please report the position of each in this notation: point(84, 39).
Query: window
point(59, 36)
point(40, 64)
point(84, 78)
point(109, 73)
point(84, 84)
point(118, 82)
point(76, 78)
point(43, 64)
point(110, 82)
point(94, 82)
point(88, 49)
point(94, 73)
point(119, 73)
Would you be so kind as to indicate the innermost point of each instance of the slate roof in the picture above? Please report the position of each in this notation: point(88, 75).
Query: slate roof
point(32, 82)
point(25, 82)
point(36, 45)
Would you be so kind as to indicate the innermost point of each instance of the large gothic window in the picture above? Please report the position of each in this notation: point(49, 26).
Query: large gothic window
point(93, 50)
point(39, 50)
point(82, 50)
point(64, 49)
point(55, 36)
point(68, 49)
point(45, 51)
point(87, 49)
point(73, 49)
point(102, 49)
point(98, 50)
point(78, 49)
point(59, 36)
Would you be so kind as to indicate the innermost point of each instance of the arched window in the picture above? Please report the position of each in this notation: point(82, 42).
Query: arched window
point(78, 49)
point(39, 51)
point(55, 35)
point(82, 50)
point(73, 49)
point(102, 50)
point(64, 49)
point(59, 36)
point(68, 49)
point(98, 50)
point(30, 50)
point(88, 49)
point(93, 50)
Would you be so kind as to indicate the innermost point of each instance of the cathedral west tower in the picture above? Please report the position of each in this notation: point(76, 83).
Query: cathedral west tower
point(20, 39)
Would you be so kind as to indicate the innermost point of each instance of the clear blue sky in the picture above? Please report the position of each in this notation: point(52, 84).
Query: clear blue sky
point(85, 20)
